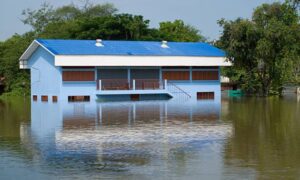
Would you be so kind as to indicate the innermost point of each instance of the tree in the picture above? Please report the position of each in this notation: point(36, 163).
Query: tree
point(265, 48)
point(87, 22)
point(10, 52)
point(118, 27)
point(178, 31)
point(39, 19)
point(133, 27)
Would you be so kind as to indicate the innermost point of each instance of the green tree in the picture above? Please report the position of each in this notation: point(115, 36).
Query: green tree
point(39, 19)
point(265, 49)
point(16, 81)
point(178, 31)
point(87, 22)
point(117, 27)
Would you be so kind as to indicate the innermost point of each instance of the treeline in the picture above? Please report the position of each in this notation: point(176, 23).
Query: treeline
point(265, 49)
point(89, 22)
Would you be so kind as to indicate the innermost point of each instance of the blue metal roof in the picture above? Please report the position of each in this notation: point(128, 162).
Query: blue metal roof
point(138, 48)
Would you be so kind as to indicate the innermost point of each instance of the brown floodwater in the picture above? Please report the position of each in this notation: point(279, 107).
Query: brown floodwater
point(237, 138)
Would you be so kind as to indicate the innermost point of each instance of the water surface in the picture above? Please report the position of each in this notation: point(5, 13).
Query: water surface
point(237, 138)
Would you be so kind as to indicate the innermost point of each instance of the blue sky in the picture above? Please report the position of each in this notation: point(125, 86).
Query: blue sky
point(202, 14)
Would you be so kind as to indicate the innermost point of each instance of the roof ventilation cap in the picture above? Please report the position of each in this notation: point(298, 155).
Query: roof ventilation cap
point(99, 43)
point(164, 44)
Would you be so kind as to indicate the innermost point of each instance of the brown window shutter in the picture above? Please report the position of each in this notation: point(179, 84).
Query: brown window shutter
point(54, 98)
point(78, 76)
point(44, 98)
point(205, 95)
point(34, 97)
point(176, 75)
point(205, 75)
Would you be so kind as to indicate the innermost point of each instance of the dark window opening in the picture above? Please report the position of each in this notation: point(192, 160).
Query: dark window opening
point(78, 98)
point(54, 98)
point(44, 98)
point(205, 95)
point(34, 97)
point(135, 97)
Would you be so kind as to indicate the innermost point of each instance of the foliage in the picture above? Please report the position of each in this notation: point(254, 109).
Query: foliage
point(11, 50)
point(120, 26)
point(89, 22)
point(39, 19)
point(178, 31)
point(265, 50)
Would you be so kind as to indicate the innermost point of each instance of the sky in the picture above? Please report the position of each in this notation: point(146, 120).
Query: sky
point(202, 14)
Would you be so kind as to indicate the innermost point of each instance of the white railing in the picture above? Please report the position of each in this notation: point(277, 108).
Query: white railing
point(174, 89)
point(134, 84)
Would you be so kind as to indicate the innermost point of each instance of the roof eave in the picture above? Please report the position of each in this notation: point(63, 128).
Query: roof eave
point(29, 51)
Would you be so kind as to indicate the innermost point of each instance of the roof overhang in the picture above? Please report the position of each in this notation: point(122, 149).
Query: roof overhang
point(23, 60)
point(123, 60)
point(91, 60)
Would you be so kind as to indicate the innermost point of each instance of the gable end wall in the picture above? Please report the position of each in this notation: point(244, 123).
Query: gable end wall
point(45, 76)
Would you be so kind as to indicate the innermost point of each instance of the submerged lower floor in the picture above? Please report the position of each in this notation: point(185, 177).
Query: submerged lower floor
point(128, 83)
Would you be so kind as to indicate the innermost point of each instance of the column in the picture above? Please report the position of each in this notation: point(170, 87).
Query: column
point(128, 76)
point(191, 74)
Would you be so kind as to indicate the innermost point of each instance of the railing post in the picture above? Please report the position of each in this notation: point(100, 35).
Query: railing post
point(165, 84)
point(100, 85)
point(133, 84)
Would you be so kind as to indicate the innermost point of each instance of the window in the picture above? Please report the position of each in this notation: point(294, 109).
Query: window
point(135, 97)
point(34, 97)
point(205, 95)
point(78, 76)
point(78, 98)
point(54, 98)
point(205, 75)
point(176, 75)
point(44, 98)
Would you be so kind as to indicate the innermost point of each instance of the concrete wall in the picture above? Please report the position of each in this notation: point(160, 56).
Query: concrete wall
point(46, 80)
point(193, 87)
point(78, 89)
point(45, 77)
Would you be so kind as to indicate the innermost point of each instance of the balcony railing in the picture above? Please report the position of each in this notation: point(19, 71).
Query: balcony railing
point(113, 84)
point(134, 84)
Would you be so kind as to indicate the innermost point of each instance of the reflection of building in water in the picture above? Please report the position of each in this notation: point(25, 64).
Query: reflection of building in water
point(121, 132)
point(126, 113)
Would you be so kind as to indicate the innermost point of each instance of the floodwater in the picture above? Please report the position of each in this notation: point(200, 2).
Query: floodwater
point(236, 138)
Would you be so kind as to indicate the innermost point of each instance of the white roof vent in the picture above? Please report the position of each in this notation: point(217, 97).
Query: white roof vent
point(99, 43)
point(164, 44)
